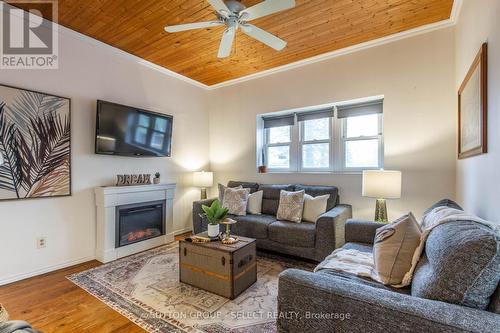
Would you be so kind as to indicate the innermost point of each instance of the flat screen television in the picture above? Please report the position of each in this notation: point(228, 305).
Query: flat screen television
point(128, 131)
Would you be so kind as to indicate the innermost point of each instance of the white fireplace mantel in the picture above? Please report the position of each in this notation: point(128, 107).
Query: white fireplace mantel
point(108, 198)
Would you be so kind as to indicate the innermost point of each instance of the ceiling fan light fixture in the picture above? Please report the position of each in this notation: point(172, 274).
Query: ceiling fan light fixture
point(234, 15)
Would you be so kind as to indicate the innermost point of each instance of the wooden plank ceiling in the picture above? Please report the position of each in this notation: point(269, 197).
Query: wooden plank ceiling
point(312, 28)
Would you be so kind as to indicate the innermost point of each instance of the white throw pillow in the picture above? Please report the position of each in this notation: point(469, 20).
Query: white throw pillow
point(254, 205)
point(235, 200)
point(314, 207)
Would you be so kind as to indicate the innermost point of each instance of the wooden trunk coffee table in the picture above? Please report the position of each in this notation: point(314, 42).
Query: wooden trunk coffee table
point(225, 270)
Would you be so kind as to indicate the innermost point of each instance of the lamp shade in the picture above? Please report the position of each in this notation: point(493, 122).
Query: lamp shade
point(382, 184)
point(203, 179)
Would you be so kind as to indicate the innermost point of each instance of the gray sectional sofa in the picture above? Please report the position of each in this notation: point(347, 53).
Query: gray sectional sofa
point(312, 241)
point(453, 289)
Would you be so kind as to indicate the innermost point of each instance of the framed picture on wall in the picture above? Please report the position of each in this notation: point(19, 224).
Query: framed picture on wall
point(473, 108)
point(35, 144)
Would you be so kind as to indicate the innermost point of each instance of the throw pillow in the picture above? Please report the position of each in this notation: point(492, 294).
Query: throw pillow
point(235, 200)
point(291, 206)
point(255, 203)
point(222, 188)
point(393, 249)
point(314, 207)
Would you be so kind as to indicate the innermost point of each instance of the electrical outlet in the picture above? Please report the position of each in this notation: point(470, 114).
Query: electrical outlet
point(41, 242)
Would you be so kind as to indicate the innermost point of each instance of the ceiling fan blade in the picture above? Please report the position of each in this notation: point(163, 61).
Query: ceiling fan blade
point(266, 8)
point(191, 26)
point(220, 7)
point(226, 43)
point(264, 37)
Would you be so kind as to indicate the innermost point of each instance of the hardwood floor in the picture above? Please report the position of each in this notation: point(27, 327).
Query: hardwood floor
point(51, 303)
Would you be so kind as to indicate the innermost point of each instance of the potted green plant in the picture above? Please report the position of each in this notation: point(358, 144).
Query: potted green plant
point(156, 180)
point(214, 214)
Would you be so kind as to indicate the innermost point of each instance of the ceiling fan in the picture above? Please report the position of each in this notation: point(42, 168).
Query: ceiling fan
point(234, 15)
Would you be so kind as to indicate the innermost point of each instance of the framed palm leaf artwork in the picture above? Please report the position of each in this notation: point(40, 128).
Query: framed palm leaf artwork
point(35, 144)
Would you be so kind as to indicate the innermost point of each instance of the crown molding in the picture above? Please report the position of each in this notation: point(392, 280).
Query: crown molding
point(455, 13)
point(455, 10)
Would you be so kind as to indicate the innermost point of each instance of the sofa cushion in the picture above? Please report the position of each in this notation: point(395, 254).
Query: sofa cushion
point(393, 249)
point(461, 265)
point(362, 247)
point(444, 202)
point(271, 197)
point(359, 280)
point(317, 190)
point(252, 186)
point(254, 226)
point(295, 234)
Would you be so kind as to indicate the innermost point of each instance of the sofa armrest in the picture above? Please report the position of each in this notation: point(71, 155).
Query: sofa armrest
point(316, 302)
point(330, 230)
point(358, 231)
point(198, 225)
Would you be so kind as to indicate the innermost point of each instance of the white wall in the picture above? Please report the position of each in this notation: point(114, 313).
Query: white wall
point(478, 180)
point(416, 75)
point(87, 73)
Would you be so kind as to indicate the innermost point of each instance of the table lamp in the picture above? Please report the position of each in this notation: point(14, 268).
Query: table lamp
point(203, 180)
point(382, 185)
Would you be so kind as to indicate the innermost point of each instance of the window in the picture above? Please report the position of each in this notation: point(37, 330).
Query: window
point(278, 147)
point(340, 138)
point(361, 140)
point(316, 143)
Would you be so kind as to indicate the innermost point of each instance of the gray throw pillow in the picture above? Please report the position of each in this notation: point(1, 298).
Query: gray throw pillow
point(291, 206)
point(236, 200)
point(461, 265)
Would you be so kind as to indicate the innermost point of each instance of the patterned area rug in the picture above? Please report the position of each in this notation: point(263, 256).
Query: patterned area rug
point(146, 289)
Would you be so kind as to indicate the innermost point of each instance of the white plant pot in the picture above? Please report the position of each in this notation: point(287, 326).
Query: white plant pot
point(213, 230)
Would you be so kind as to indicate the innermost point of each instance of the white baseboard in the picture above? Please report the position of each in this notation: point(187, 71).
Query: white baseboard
point(183, 231)
point(48, 269)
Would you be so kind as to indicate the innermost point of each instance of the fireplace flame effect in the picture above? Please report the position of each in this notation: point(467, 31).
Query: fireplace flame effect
point(139, 234)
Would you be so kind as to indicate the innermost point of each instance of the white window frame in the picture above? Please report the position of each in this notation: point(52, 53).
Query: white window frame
point(331, 151)
point(279, 144)
point(337, 141)
point(345, 139)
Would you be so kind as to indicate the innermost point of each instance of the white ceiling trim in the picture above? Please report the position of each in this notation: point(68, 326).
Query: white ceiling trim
point(455, 12)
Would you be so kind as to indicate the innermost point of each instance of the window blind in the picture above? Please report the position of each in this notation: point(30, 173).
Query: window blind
point(316, 114)
point(354, 110)
point(278, 121)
